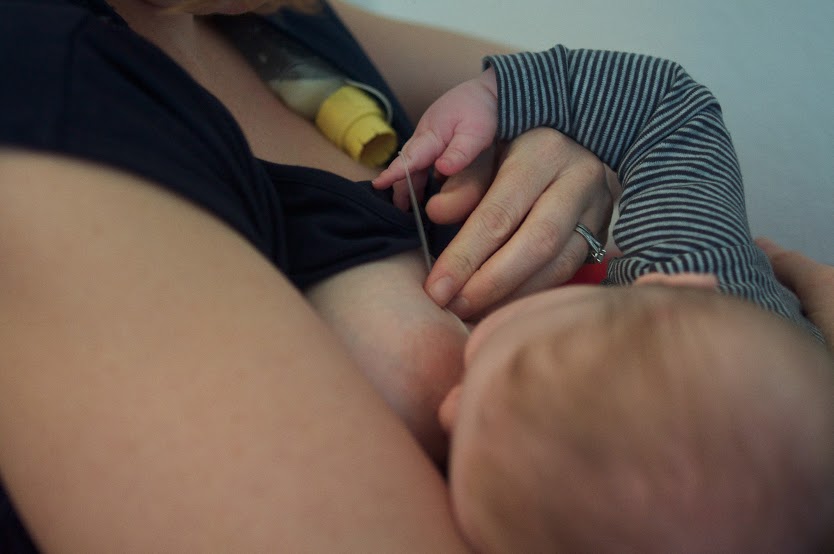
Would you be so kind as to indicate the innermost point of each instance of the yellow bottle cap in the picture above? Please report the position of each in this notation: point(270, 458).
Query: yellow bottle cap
point(354, 121)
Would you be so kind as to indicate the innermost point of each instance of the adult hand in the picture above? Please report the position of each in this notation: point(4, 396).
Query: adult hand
point(518, 236)
point(812, 282)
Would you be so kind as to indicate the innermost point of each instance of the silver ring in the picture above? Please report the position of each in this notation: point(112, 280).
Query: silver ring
point(595, 250)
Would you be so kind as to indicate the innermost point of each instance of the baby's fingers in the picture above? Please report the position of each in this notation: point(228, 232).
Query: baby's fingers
point(462, 151)
point(401, 197)
point(391, 175)
point(421, 151)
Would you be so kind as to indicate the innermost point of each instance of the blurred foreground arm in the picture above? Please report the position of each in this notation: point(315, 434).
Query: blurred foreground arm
point(165, 389)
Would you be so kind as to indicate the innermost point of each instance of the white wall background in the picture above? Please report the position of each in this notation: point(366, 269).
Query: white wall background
point(769, 62)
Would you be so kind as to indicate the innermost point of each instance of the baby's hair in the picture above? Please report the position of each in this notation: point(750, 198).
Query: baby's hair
point(677, 420)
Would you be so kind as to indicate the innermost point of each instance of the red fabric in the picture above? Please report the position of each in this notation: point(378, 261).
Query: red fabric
point(590, 274)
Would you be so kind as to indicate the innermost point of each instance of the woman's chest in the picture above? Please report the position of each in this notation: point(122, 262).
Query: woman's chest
point(274, 132)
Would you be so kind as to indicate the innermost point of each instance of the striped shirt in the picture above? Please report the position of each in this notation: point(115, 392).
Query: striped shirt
point(682, 207)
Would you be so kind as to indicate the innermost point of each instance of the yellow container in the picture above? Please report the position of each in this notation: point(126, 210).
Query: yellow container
point(355, 123)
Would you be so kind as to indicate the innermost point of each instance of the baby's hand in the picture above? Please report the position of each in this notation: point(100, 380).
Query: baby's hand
point(451, 134)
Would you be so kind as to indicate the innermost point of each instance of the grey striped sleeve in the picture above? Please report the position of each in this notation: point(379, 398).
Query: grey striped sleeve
point(682, 207)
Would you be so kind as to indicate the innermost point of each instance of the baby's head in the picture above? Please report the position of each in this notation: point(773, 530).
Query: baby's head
point(642, 419)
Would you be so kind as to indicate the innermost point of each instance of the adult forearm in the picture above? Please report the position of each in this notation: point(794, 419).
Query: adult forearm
point(165, 389)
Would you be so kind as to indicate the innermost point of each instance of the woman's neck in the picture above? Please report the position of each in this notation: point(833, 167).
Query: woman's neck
point(175, 33)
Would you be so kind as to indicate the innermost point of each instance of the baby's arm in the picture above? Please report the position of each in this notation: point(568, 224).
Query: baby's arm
point(682, 208)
